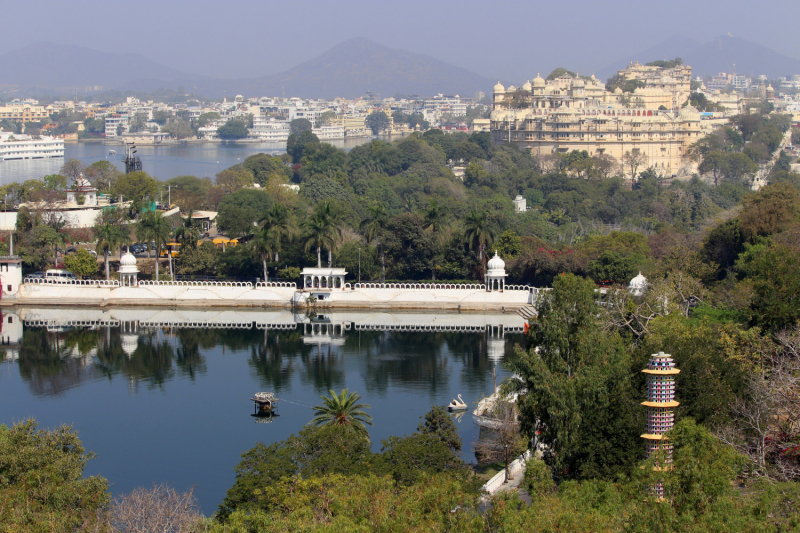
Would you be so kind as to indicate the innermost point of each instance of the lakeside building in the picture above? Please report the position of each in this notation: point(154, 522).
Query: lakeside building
point(269, 129)
point(17, 146)
point(573, 114)
point(115, 122)
point(23, 112)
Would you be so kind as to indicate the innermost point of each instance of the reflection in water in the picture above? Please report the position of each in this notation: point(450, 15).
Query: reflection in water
point(157, 392)
point(60, 349)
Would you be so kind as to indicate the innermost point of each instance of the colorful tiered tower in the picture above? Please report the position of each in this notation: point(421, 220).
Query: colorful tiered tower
point(660, 405)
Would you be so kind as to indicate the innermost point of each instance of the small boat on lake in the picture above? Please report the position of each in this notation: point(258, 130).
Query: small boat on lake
point(457, 405)
point(266, 402)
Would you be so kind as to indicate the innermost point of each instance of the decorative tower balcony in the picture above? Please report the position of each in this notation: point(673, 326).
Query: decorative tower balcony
point(660, 405)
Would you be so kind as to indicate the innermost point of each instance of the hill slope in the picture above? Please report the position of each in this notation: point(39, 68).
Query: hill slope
point(354, 67)
point(717, 55)
point(51, 66)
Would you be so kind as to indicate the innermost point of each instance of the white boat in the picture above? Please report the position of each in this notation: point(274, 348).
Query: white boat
point(112, 152)
point(457, 404)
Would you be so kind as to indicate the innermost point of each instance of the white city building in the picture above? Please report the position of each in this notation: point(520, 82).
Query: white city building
point(27, 147)
point(269, 129)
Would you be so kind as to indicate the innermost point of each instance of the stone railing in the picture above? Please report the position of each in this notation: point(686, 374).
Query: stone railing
point(74, 282)
point(237, 284)
point(418, 286)
point(437, 286)
point(276, 284)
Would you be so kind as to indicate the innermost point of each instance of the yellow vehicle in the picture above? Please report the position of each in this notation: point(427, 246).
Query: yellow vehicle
point(172, 247)
point(222, 242)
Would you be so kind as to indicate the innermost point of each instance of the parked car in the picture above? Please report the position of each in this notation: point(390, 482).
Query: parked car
point(55, 274)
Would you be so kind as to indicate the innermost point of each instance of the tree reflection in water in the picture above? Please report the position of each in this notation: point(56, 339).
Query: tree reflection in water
point(56, 360)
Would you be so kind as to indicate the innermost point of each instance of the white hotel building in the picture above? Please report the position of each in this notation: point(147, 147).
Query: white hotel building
point(14, 147)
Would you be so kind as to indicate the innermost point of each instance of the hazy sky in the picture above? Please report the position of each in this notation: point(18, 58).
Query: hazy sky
point(500, 39)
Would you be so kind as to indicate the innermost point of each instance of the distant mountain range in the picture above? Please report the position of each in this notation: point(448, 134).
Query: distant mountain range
point(717, 55)
point(48, 66)
point(347, 70)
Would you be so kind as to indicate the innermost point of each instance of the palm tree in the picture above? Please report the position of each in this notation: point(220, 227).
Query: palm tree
point(477, 231)
point(264, 243)
point(331, 215)
point(187, 234)
point(342, 410)
point(153, 227)
point(373, 226)
point(316, 234)
point(110, 236)
point(321, 229)
point(435, 217)
point(277, 220)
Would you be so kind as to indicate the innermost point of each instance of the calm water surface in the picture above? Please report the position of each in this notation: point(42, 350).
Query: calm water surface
point(164, 395)
point(162, 161)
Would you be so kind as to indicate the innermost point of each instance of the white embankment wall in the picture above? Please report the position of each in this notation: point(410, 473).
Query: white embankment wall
point(236, 294)
point(516, 468)
point(156, 292)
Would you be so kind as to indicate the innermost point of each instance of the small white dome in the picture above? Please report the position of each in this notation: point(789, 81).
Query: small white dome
point(638, 285)
point(499, 88)
point(538, 81)
point(495, 263)
point(127, 264)
point(527, 86)
point(127, 259)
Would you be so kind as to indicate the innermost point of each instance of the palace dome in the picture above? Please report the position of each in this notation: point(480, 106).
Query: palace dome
point(496, 266)
point(499, 87)
point(617, 91)
point(689, 113)
point(538, 81)
point(527, 86)
point(579, 82)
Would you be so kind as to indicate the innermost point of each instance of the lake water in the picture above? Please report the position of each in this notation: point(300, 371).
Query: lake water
point(161, 161)
point(164, 395)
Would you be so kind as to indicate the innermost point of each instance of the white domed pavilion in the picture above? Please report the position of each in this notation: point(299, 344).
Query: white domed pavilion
point(128, 271)
point(495, 274)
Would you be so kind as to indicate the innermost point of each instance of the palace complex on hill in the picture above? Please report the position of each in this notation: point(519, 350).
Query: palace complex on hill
point(574, 113)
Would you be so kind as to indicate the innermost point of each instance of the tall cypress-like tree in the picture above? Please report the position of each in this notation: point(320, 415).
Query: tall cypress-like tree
point(576, 388)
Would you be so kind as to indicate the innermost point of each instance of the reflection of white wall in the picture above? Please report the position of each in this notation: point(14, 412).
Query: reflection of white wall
point(12, 329)
point(336, 322)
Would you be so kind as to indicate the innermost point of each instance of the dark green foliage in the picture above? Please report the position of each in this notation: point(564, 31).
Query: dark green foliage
point(438, 423)
point(238, 212)
point(723, 244)
point(264, 166)
point(232, 130)
point(297, 144)
point(663, 63)
point(579, 397)
point(776, 288)
point(300, 125)
point(314, 451)
point(377, 121)
point(612, 267)
point(41, 481)
point(411, 248)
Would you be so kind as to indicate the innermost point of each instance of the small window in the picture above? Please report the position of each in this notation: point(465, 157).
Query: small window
point(9, 288)
point(10, 320)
